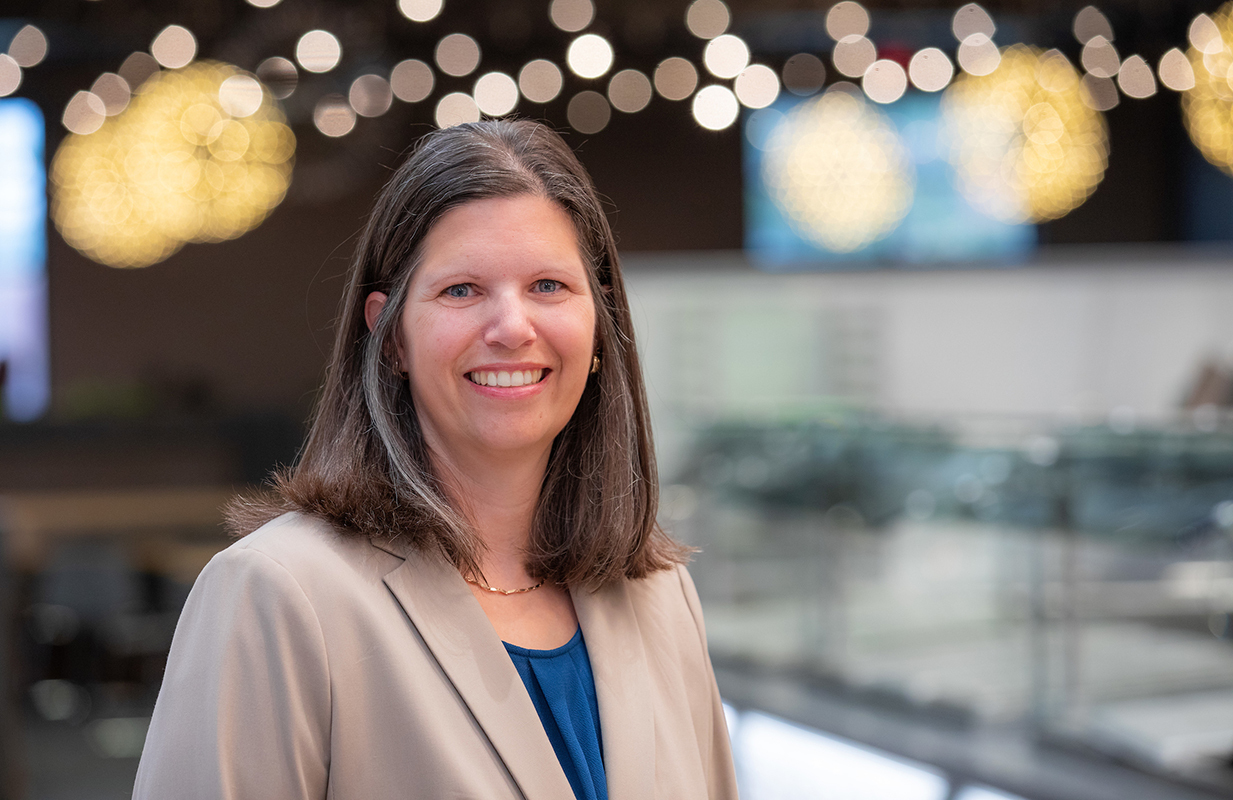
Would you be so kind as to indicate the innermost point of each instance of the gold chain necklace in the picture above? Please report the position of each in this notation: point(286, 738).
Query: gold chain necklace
point(495, 590)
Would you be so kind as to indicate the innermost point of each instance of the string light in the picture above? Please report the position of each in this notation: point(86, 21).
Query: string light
point(571, 16)
point(540, 81)
point(675, 78)
point(588, 112)
point(176, 166)
point(1207, 108)
point(456, 108)
point(174, 47)
point(318, 51)
point(804, 74)
point(837, 170)
point(931, 70)
point(1027, 145)
point(589, 56)
point(715, 107)
point(629, 91)
point(411, 81)
point(707, 19)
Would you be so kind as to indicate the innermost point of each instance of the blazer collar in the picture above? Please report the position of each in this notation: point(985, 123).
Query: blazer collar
point(622, 687)
point(463, 641)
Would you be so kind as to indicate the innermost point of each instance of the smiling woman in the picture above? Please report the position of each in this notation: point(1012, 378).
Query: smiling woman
point(460, 590)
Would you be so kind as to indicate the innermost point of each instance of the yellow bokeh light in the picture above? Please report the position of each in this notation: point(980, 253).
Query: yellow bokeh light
point(1026, 143)
point(836, 168)
point(176, 166)
point(1207, 108)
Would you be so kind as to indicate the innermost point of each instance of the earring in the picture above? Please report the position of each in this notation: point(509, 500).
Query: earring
point(594, 364)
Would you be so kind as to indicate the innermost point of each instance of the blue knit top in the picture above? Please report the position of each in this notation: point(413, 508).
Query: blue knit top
point(562, 689)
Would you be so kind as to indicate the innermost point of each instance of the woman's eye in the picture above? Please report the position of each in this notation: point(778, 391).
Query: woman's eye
point(458, 290)
point(547, 286)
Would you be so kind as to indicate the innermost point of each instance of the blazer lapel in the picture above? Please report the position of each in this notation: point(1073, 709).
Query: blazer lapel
point(622, 687)
point(462, 640)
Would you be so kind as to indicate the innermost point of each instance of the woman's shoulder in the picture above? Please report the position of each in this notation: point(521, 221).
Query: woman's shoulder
point(306, 546)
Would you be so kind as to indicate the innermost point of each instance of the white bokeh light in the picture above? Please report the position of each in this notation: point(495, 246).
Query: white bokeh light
point(725, 56)
point(757, 86)
point(715, 107)
point(496, 94)
point(589, 56)
point(318, 51)
point(456, 108)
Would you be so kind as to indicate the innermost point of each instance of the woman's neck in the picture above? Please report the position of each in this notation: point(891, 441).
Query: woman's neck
point(499, 498)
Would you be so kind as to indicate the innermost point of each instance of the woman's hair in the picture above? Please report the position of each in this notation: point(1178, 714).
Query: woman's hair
point(365, 466)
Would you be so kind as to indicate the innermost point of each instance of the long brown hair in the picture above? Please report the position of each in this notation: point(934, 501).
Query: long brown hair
point(365, 466)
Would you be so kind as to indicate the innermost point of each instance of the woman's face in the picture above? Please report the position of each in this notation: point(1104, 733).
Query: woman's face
point(498, 330)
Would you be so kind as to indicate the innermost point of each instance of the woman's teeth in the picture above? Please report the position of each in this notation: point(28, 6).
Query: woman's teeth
point(515, 378)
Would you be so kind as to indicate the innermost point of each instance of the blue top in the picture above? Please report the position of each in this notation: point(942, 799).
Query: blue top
point(562, 689)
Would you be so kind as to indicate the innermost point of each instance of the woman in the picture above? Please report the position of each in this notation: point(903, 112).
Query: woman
point(460, 589)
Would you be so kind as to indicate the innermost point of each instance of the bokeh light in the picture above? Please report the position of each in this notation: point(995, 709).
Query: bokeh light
point(837, 169)
point(589, 56)
point(978, 55)
point(853, 55)
point(496, 94)
point(318, 51)
point(1100, 58)
point(588, 112)
point(28, 47)
point(629, 91)
point(715, 107)
point(411, 80)
point(540, 81)
point(1101, 94)
point(757, 86)
point(675, 78)
point(931, 70)
point(457, 54)
point(279, 76)
point(456, 108)
point(847, 19)
point(1175, 71)
point(137, 69)
point(707, 19)
point(240, 95)
point(419, 10)
point(804, 74)
point(174, 47)
point(174, 167)
point(334, 116)
point(10, 75)
point(972, 19)
point(370, 95)
point(725, 56)
point(885, 81)
point(1207, 109)
point(1090, 23)
point(1026, 144)
point(84, 114)
point(1136, 79)
point(264, 3)
point(1205, 35)
point(571, 16)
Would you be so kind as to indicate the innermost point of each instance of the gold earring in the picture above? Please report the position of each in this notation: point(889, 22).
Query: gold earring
point(594, 364)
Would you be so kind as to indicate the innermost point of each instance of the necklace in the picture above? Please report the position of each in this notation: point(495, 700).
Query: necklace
point(495, 590)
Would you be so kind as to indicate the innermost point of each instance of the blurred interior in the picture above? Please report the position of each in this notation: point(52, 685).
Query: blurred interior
point(933, 303)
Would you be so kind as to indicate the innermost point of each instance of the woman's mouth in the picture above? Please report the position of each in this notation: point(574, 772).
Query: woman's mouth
point(523, 377)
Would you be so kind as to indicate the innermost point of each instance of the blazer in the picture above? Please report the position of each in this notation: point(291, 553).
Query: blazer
point(311, 664)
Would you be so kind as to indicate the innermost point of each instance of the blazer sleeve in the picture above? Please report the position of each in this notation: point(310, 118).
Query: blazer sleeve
point(717, 762)
point(244, 709)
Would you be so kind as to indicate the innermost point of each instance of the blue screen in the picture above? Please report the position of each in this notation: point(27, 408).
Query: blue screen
point(23, 260)
point(940, 225)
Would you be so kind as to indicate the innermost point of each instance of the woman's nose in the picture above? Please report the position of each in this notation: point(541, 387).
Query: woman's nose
point(511, 325)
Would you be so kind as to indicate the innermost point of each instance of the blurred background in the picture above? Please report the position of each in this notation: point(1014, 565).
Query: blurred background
point(934, 308)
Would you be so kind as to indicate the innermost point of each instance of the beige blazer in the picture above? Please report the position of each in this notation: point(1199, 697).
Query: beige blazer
point(307, 664)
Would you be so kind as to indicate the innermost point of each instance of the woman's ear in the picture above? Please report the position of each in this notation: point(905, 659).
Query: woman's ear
point(372, 308)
